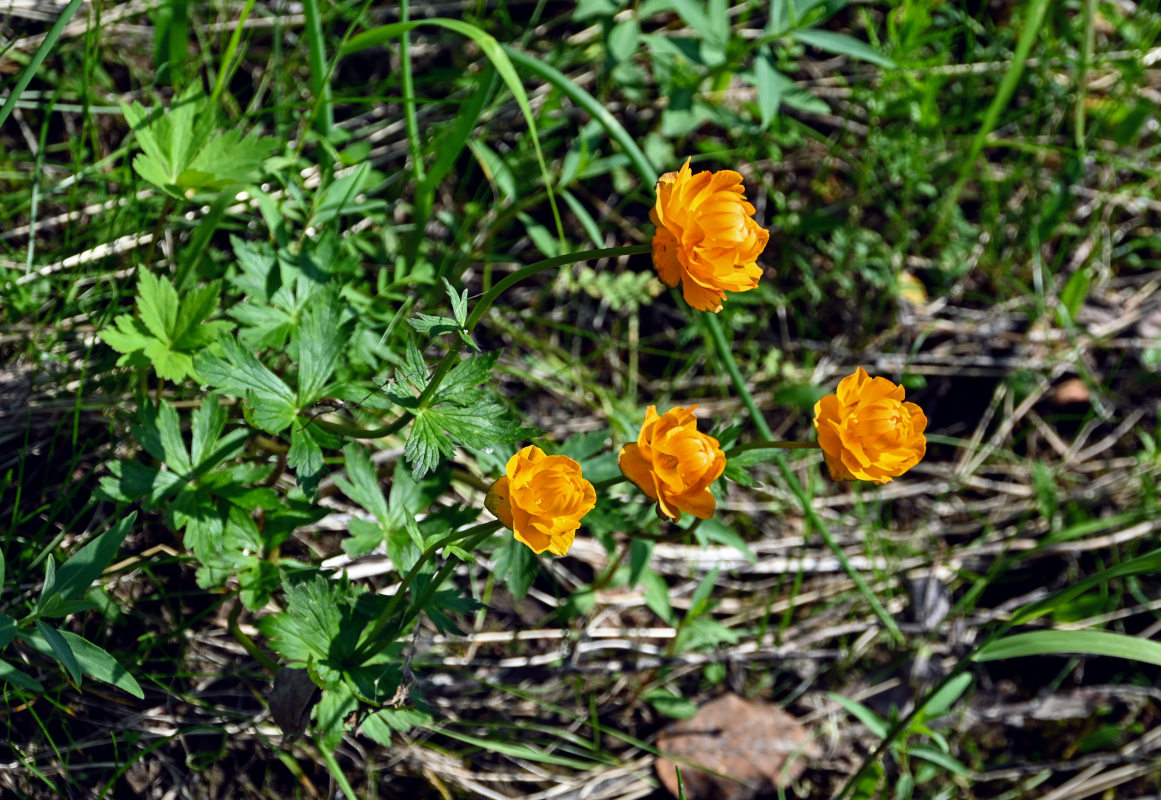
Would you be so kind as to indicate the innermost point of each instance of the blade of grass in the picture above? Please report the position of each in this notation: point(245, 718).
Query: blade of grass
point(590, 104)
point(229, 65)
point(408, 82)
point(42, 52)
point(714, 326)
point(1088, 643)
point(1031, 29)
point(320, 73)
point(500, 60)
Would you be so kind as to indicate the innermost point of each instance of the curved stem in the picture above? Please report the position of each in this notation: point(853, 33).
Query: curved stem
point(451, 358)
point(742, 448)
point(540, 266)
point(256, 652)
point(355, 432)
point(368, 649)
point(609, 482)
point(714, 326)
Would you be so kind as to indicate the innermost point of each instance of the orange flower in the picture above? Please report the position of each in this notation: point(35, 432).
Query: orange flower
point(541, 499)
point(674, 463)
point(706, 236)
point(867, 432)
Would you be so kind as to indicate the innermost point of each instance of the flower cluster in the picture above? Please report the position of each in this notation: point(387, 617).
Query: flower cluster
point(708, 242)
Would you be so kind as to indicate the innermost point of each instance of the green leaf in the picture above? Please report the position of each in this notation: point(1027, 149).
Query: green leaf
point(521, 751)
point(7, 630)
point(60, 648)
point(167, 332)
point(657, 596)
point(77, 574)
point(1148, 563)
point(13, 675)
point(305, 457)
point(230, 158)
point(941, 701)
point(96, 663)
point(379, 725)
point(711, 530)
point(842, 45)
point(157, 305)
point(361, 484)
point(433, 325)
point(321, 339)
point(875, 724)
point(332, 710)
point(461, 382)
point(459, 302)
point(271, 403)
point(769, 87)
point(182, 152)
point(670, 704)
point(516, 565)
point(1088, 643)
point(939, 758)
point(425, 444)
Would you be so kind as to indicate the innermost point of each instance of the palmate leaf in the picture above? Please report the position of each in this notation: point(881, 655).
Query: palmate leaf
point(182, 153)
point(270, 402)
point(167, 333)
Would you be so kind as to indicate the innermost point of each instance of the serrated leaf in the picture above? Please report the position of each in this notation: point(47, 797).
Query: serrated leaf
point(459, 302)
point(378, 726)
point(305, 457)
point(157, 305)
point(321, 339)
point(335, 705)
point(425, 444)
point(228, 159)
point(433, 325)
point(127, 334)
point(482, 425)
point(239, 373)
point(461, 382)
point(361, 484)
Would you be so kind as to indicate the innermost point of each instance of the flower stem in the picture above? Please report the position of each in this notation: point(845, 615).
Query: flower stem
point(369, 648)
point(714, 326)
point(742, 448)
point(546, 264)
point(451, 358)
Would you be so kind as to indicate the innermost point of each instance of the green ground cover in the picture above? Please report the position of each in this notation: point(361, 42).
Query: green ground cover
point(283, 286)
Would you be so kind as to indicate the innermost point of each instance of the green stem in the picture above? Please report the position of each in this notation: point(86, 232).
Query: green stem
point(451, 358)
point(727, 357)
point(547, 264)
point(742, 448)
point(409, 93)
point(600, 486)
point(369, 648)
point(256, 652)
